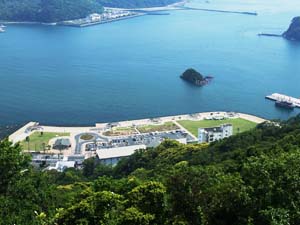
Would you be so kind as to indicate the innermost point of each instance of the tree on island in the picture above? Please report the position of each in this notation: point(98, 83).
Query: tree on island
point(193, 76)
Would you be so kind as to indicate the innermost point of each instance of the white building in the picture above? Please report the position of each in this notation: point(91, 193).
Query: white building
point(62, 165)
point(111, 156)
point(207, 135)
point(95, 17)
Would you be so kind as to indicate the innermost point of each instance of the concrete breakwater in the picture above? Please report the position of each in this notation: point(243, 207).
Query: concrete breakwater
point(270, 35)
point(220, 11)
point(154, 13)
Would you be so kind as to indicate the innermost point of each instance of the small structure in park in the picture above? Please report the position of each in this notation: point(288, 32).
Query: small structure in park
point(62, 143)
point(208, 135)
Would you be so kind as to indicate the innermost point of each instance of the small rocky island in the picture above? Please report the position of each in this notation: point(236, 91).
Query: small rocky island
point(293, 33)
point(194, 77)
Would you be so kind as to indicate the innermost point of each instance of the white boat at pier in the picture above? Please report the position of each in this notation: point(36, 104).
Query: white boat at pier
point(284, 98)
point(2, 28)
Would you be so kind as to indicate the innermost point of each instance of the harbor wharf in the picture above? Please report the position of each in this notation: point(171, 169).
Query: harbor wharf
point(282, 97)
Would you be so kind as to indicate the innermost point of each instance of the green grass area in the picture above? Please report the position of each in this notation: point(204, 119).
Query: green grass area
point(119, 131)
point(86, 137)
point(163, 127)
point(239, 125)
point(124, 129)
point(37, 141)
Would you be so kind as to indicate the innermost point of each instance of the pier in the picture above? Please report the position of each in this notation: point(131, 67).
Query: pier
point(270, 35)
point(219, 11)
point(281, 97)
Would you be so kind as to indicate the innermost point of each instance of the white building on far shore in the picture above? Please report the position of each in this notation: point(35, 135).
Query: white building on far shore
point(95, 17)
point(208, 135)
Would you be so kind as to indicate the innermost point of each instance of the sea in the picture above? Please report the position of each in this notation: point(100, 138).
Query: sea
point(130, 69)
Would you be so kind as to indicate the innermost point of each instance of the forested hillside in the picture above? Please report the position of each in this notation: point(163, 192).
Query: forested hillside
point(59, 10)
point(47, 10)
point(136, 3)
point(252, 178)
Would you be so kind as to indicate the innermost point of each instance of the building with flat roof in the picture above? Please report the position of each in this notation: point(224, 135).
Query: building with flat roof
point(111, 156)
point(211, 134)
point(62, 143)
point(95, 17)
point(62, 165)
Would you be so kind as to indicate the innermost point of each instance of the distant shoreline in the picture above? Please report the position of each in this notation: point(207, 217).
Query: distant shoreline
point(99, 22)
point(139, 12)
point(174, 6)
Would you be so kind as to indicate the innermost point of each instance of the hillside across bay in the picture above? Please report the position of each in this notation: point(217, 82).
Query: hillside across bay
point(49, 11)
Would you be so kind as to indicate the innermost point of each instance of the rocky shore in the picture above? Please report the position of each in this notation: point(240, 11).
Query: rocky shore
point(194, 77)
point(293, 32)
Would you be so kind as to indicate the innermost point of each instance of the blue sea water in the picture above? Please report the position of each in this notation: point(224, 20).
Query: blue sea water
point(130, 69)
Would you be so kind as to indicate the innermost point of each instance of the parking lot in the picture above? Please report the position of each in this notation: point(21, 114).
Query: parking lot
point(152, 139)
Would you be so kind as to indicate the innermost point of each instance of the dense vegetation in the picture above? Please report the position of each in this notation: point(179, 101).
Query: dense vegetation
point(136, 3)
point(59, 10)
point(47, 10)
point(293, 33)
point(192, 76)
point(252, 178)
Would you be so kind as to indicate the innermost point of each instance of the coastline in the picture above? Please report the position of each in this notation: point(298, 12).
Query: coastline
point(143, 12)
point(139, 12)
point(21, 133)
point(99, 22)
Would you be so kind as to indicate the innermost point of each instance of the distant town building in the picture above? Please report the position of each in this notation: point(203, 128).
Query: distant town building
point(95, 17)
point(111, 156)
point(207, 135)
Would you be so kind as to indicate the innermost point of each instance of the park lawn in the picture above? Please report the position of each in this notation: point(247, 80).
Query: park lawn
point(168, 126)
point(239, 125)
point(119, 131)
point(36, 140)
point(123, 129)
